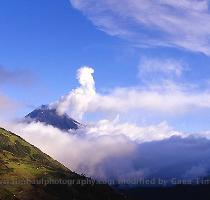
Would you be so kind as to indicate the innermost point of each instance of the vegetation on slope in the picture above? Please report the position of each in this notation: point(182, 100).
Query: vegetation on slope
point(26, 173)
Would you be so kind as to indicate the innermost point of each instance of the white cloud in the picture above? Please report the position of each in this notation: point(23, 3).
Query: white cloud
point(77, 151)
point(183, 24)
point(93, 149)
point(168, 98)
point(132, 131)
point(119, 151)
point(165, 100)
point(77, 101)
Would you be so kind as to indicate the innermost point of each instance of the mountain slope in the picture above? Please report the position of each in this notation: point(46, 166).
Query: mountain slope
point(49, 116)
point(24, 169)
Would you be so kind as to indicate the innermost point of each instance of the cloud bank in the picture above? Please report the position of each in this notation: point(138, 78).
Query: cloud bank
point(121, 151)
point(183, 24)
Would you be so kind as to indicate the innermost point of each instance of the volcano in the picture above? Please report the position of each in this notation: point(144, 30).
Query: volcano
point(49, 116)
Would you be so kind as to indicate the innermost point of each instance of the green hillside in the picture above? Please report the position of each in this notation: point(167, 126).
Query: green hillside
point(26, 173)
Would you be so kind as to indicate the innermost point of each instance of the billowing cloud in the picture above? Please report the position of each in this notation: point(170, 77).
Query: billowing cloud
point(133, 132)
point(122, 151)
point(168, 98)
point(77, 101)
point(78, 151)
point(183, 24)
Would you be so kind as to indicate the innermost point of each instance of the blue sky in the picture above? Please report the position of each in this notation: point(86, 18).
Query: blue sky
point(52, 40)
point(49, 40)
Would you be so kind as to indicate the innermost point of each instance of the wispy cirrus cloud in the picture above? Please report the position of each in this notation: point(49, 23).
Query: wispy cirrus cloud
point(156, 69)
point(183, 24)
